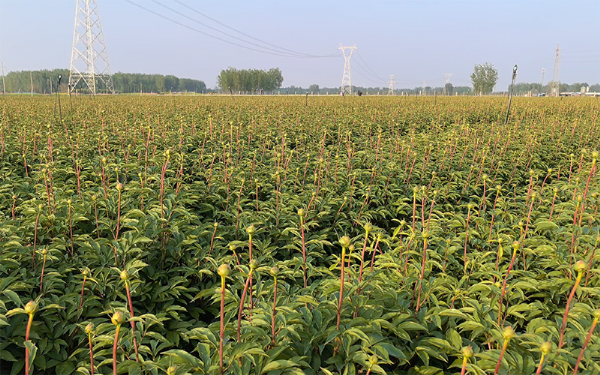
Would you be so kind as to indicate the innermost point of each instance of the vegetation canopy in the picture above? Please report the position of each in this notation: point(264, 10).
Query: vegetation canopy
point(292, 235)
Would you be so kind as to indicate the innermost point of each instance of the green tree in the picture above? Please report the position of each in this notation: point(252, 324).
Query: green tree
point(484, 78)
point(313, 88)
point(249, 80)
point(449, 89)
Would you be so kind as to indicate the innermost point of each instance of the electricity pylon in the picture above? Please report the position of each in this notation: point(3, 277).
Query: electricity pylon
point(347, 78)
point(447, 80)
point(391, 83)
point(555, 79)
point(89, 58)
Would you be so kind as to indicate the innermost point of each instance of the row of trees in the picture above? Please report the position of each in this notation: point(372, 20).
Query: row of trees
point(485, 77)
point(316, 89)
point(249, 80)
point(128, 82)
point(21, 81)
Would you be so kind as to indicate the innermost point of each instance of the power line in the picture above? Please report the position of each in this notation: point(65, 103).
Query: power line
point(367, 65)
point(374, 77)
point(251, 37)
point(263, 50)
point(202, 32)
point(219, 31)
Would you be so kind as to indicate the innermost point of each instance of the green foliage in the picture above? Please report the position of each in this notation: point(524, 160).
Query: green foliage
point(484, 78)
point(249, 80)
point(422, 176)
point(123, 82)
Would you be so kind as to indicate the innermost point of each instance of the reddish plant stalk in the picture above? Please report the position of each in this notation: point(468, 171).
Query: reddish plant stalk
point(222, 325)
point(37, 220)
point(493, 212)
point(567, 307)
point(375, 252)
point(425, 236)
point(363, 258)
point(212, 239)
point(552, 208)
point(587, 340)
point(237, 220)
point(29, 322)
point(273, 333)
point(239, 327)
point(303, 249)
point(504, 346)
point(339, 310)
point(118, 215)
point(466, 238)
point(512, 261)
point(588, 274)
point(135, 346)
point(91, 353)
point(43, 268)
point(115, 344)
point(71, 231)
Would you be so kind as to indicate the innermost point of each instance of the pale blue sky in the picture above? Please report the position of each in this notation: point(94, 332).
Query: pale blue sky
point(415, 40)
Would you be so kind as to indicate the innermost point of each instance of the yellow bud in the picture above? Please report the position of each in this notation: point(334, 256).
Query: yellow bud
point(118, 318)
point(580, 266)
point(345, 241)
point(31, 307)
point(224, 270)
point(546, 347)
point(467, 351)
point(508, 333)
point(124, 275)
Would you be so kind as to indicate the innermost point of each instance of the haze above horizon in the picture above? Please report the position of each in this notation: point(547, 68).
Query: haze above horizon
point(415, 40)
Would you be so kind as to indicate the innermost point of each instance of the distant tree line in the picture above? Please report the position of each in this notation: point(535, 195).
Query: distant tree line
point(20, 81)
point(249, 80)
point(316, 89)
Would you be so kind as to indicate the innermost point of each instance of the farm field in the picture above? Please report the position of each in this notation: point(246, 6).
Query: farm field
point(253, 235)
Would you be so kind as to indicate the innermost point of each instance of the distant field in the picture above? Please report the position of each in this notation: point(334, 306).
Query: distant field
point(462, 232)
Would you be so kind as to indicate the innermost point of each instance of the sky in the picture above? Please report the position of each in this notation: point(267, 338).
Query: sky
point(415, 40)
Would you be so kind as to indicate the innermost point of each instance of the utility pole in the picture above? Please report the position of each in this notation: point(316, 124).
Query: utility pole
point(555, 79)
point(3, 84)
point(347, 77)
point(447, 80)
point(424, 92)
point(31, 81)
point(391, 83)
point(89, 58)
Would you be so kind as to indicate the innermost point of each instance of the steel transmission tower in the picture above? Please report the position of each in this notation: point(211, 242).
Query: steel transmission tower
point(89, 58)
point(555, 79)
point(391, 83)
point(447, 81)
point(347, 78)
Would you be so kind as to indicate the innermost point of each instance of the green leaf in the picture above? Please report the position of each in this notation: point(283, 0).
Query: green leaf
point(454, 312)
point(392, 350)
point(32, 352)
point(6, 356)
point(545, 225)
point(281, 364)
point(65, 368)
